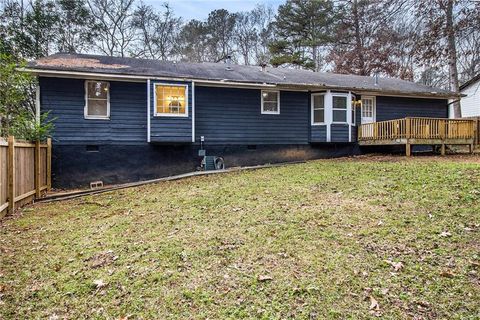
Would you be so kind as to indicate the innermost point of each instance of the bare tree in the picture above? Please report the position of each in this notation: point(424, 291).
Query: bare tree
point(263, 17)
point(246, 36)
point(366, 41)
point(469, 56)
point(219, 27)
point(443, 24)
point(115, 21)
point(76, 28)
point(192, 42)
point(158, 32)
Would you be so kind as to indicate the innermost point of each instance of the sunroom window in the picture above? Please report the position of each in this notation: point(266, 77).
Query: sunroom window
point(270, 102)
point(171, 100)
point(97, 104)
point(339, 108)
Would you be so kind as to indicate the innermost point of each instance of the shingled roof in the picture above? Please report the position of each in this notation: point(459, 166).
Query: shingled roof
point(281, 77)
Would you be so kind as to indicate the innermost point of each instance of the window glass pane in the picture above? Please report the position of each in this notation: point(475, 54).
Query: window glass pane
point(339, 102)
point(270, 96)
point(367, 108)
point(318, 115)
point(97, 89)
point(318, 101)
point(97, 108)
point(339, 116)
point(171, 99)
point(270, 106)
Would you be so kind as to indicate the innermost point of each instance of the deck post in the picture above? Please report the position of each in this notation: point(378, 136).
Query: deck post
point(470, 148)
point(408, 131)
point(442, 149)
point(408, 147)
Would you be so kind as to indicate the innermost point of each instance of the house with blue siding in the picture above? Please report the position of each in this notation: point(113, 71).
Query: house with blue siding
point(124, 119)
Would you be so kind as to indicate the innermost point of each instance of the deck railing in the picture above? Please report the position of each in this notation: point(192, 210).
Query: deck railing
point(417, 128)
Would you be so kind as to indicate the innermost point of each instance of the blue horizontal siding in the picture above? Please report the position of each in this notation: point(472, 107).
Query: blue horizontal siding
point(318, 133)
point(65, 99)
point(339, 132)
point(354, 133)
point(223, 116)
point(233, 116)
point(167, 129)
point(389, 108)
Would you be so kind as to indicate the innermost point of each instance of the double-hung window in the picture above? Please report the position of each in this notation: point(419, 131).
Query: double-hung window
point(97, 100)
point(339, 108)
point(318, 108)
point(171, 100)
point(270, 102)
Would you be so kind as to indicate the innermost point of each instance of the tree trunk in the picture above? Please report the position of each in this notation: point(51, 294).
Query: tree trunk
point(452, 57)
point(358, 41)
point(315, 58)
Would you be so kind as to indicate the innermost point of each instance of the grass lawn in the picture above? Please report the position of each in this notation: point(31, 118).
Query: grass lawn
point(335, 239)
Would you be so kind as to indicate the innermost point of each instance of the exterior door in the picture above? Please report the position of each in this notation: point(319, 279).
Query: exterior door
point(368, 115)
point(368, 110)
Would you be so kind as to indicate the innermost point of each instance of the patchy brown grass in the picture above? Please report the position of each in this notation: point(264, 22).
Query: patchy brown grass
point(344, 238)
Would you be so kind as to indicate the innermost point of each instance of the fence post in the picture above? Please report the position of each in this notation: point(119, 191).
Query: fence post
point(37, 169)
point(49, 164)
point(11, 174)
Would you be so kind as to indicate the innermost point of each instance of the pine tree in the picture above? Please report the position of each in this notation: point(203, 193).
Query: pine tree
point(303, 29)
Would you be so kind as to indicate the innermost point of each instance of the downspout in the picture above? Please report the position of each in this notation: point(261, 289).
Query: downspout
point(349, 116)
point(148, 110)
point(193, 111)
point(37, 103)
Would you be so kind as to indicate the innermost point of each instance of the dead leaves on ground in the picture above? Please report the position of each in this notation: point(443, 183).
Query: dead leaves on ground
point(99, 283)
point(264, 278)
point(397, 266)
point(374, 304)
point(102, 259)
point(447, 274)
point(445, 234)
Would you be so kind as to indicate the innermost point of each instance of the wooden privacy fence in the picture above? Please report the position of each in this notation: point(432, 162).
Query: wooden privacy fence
point(417, 128)
point(25, 172)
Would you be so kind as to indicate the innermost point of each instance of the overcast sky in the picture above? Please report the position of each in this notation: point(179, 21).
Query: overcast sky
point(199, 9)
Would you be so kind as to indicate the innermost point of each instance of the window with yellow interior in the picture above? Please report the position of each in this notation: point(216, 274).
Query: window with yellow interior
point(171, 100)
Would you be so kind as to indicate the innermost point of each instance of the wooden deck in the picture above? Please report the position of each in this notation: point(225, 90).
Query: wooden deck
point(419, 131)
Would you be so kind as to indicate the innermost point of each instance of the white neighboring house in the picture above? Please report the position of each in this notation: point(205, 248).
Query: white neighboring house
point(471, 103)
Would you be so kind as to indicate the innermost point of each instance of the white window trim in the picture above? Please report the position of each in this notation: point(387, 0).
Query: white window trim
point(312, 106)
point(354, 115)
point(374, 107)
point(181, 115)
point(278, 102)
point(85, 109)
point(347, 109)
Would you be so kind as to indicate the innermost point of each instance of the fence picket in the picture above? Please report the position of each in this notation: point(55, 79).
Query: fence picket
point(22, 175)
